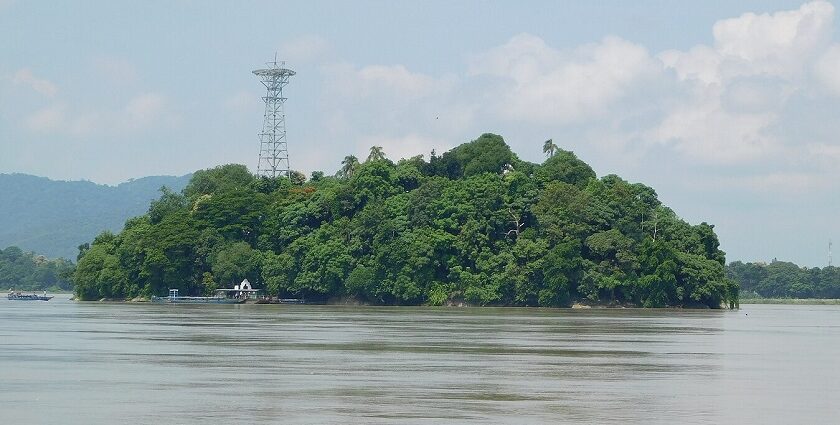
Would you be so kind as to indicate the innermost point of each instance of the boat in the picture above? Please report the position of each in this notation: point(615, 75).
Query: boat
point(18, 296)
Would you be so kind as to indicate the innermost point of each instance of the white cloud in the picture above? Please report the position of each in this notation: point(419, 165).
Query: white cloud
point(701, 63)
point(45, 87)
point(546, 85)
point(776, 45)
point(737, 90)
point(773, 43)
point(827, 69)
point(703, 130)
point(718, 104)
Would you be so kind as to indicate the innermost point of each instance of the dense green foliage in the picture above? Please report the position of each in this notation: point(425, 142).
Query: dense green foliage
point(25, 271)
point(474, 225)
point(53, 217)
point(781, 279)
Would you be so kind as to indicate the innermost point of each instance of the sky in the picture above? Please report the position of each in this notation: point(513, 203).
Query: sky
point(730, 110)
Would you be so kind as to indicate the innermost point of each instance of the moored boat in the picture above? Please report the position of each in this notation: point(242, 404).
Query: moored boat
point(18, 296)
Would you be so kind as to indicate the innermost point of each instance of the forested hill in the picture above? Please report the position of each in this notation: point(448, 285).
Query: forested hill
point(54, 217)
point(474, 225)
point(782, 279)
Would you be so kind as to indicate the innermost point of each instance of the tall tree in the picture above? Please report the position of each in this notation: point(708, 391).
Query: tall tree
point(348, 166)
point(376, 153)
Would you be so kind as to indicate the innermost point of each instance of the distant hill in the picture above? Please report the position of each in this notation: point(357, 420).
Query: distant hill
point(53, 218)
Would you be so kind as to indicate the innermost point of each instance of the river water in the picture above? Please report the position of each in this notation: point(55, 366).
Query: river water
point(64, 362)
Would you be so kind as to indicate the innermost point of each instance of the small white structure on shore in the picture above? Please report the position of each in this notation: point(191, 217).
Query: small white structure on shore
point(241, 291)
point(244, 285)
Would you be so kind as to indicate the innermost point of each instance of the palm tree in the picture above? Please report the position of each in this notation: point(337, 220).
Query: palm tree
point(376, 153)
point(348, 166)
point(549, 148)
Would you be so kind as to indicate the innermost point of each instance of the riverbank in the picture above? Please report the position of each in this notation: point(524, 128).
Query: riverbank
point(792, 301)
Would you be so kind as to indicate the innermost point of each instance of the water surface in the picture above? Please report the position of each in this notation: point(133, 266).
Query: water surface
point(63, 362)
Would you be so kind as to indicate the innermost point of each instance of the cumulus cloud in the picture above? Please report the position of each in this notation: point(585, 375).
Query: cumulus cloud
point(26, 77)
point(775, 44)
point(731, 103)
point(827, 69)
point(546, 85)
point(719, 104)
point(704, 131)
point(739, 87)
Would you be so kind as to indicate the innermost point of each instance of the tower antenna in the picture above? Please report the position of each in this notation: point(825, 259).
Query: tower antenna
point(274, 152)
point(829, 253)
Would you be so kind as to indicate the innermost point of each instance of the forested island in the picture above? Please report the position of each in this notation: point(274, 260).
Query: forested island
point(782, 279)
point(475, 225)
point(27, 271)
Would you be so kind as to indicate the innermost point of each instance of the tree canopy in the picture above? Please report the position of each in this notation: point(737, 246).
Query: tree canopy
point(475, 225)
point(782, 279)
point(26, 271)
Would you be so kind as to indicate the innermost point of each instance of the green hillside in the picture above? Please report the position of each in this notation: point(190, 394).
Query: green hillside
point(474, 225)
point(53, 218)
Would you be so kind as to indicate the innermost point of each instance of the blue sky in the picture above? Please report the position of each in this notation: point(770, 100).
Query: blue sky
point(728, 109)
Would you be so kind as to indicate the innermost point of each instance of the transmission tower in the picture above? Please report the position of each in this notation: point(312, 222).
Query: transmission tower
point(274, 153)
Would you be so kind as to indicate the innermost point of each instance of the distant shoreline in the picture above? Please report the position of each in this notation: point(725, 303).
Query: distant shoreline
point(792, 301)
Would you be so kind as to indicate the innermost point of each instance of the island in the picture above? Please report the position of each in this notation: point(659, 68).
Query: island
point(473, 226)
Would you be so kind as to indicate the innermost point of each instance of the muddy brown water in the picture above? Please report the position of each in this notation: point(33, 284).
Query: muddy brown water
point(65, 362)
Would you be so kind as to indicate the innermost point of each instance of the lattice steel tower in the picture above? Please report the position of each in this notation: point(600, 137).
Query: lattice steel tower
point(274, 153)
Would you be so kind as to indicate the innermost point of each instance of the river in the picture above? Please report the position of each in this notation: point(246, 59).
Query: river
point(64, 362)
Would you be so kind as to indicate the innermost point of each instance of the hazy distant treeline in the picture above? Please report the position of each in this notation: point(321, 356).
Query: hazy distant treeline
point(26, 271)
point(781, 279)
